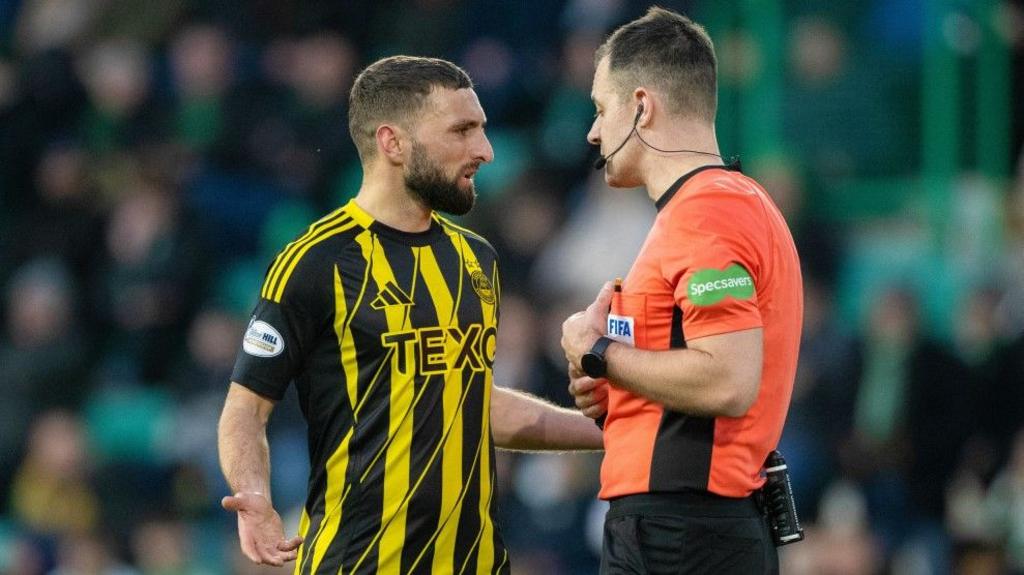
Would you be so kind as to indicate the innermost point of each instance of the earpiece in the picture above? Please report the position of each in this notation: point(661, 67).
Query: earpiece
point(603, 160)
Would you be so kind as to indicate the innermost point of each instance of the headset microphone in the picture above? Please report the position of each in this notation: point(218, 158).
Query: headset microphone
point(601, 161)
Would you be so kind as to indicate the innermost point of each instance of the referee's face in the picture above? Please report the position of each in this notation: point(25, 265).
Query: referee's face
point(448, 147)
point(613, 128)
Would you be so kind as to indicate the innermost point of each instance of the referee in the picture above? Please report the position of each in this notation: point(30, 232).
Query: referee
point(385, 316)
point(693, 367)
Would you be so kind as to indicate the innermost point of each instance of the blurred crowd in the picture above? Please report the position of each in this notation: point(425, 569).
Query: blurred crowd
point(154, 155)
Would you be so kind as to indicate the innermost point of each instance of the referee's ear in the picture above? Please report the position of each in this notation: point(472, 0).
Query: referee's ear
point(391, 144)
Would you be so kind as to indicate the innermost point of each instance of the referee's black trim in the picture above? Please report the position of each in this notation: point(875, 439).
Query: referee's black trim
point(671, 191)
point(682, 448)
point(678, 338)
point(682, 452)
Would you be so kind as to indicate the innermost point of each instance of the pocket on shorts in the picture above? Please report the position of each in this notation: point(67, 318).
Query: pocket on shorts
point(621, 553)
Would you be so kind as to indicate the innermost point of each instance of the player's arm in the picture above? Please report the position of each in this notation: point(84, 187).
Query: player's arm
point(245, 461)
point(296, 303)
point(521, 421)
point(242, 441)
point(717, 375)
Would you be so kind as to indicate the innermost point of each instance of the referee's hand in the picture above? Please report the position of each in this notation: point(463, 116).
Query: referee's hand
point(260, 530)
point(590, 395)
point(582, 329)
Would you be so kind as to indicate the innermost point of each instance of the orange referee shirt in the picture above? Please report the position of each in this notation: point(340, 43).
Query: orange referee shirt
point(719, 258)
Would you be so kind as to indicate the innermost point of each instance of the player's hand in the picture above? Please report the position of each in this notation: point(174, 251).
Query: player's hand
point(590, 395)
point(260, 530)
point(582, 329)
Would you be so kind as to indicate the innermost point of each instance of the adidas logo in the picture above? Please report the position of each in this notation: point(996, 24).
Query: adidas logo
point(390, 295)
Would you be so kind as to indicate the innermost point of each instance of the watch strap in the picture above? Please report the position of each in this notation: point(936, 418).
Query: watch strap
point(601, 345)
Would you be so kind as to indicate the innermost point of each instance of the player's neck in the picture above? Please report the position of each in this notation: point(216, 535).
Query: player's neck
point(388, 202)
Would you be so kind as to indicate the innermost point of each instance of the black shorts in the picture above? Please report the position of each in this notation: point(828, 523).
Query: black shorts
point(694, 532)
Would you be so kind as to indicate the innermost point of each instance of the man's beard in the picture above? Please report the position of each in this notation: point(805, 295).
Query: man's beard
point(429, 184)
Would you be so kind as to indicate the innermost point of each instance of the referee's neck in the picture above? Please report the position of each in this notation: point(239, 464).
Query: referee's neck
point(663, 172)
point(669, 152)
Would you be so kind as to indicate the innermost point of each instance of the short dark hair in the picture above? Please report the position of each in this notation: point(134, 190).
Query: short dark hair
point(394, 89)
point(669, 51)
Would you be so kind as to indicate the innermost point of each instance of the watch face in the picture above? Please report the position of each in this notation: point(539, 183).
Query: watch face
point(593, 364)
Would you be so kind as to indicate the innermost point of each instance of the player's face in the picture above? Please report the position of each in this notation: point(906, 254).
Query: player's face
point(613, 122)
point(448, 147)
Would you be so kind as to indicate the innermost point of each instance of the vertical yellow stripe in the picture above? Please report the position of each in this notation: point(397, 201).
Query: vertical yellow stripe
point(451, 457)
point(303, 532)
point(458, 500)
point(337, 464)
point(343, 330)
point(459, 244)
point(398, 458)
point(348, 344)
point(485, 556)
point(424, 470)
point(334, 498)
point(396, 461)
point(496, 284)
point(472, 472)
point(365, 242)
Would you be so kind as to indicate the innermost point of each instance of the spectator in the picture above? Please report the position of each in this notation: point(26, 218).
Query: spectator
point(41, 351)
point(147, 284)
point(52, 494)
point(911, 416)
point(117, 77)
point(203, 67)
point(88, 555)
point(63, 220)
point(163, 546)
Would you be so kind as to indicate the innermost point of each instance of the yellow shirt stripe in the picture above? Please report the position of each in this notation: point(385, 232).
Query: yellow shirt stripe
point(485, 556)
point(396, 463)
point(303, 531)
point(451, 458)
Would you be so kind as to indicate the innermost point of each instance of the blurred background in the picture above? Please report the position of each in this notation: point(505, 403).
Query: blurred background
point(155, 154)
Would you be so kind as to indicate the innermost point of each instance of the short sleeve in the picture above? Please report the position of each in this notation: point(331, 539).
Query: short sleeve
point(282, 333)
point(715, 262)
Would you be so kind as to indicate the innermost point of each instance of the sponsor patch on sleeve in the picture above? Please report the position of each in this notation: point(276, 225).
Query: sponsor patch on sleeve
point(710, 286)
point(262, 340)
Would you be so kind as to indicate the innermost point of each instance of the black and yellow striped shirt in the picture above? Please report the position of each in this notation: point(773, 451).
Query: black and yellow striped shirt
point(390, 338)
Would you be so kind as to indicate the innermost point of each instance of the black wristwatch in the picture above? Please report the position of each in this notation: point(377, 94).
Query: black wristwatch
point(593, 362)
